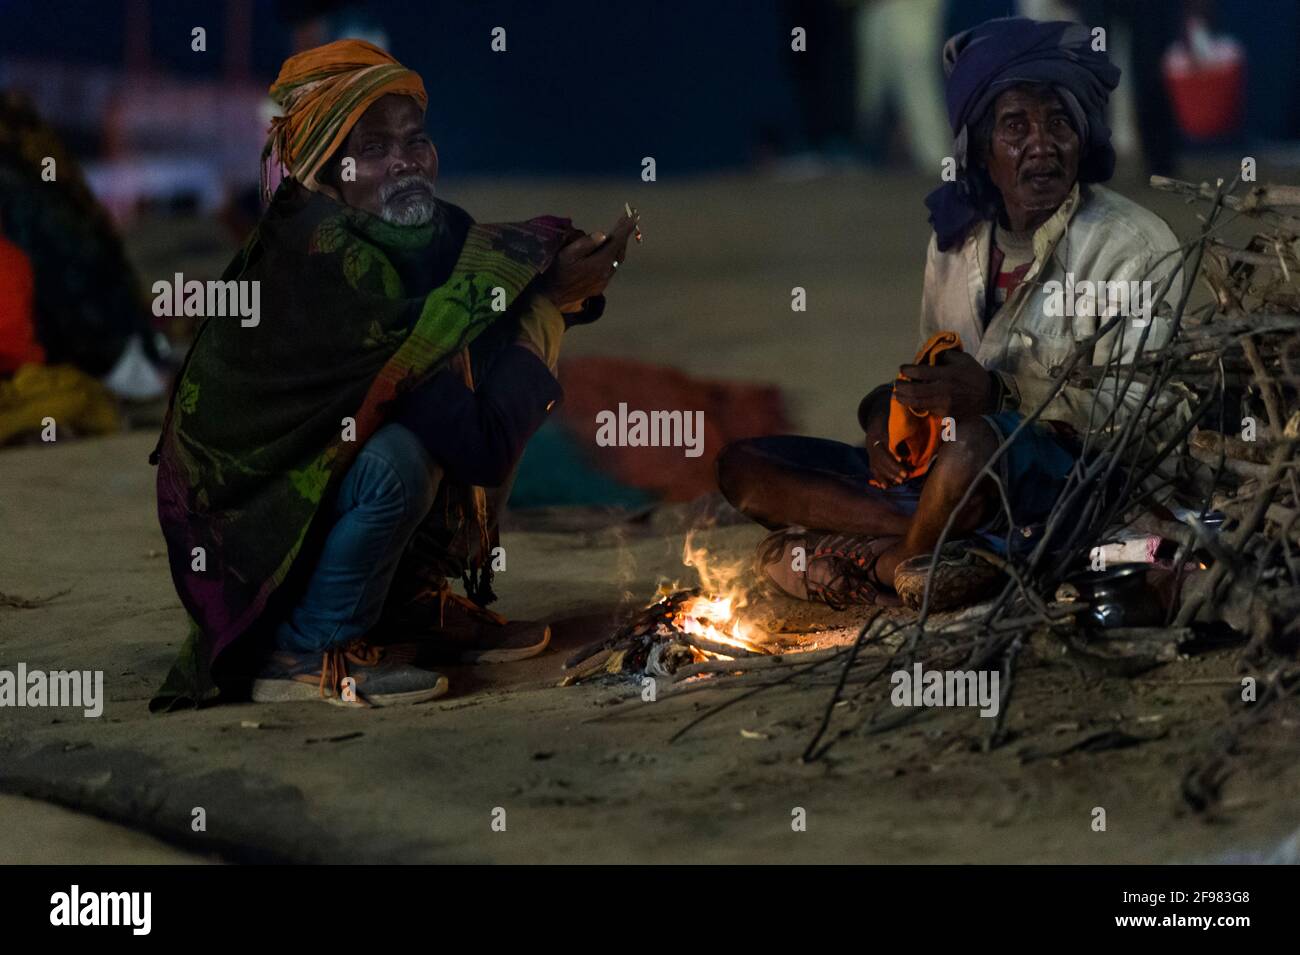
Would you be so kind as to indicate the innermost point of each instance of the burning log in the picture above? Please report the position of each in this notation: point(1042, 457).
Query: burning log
point(680, 628)
point(718, 649)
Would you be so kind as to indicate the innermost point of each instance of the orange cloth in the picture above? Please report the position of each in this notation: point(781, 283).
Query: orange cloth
point(18, 344)
point(322, 93)
point(914, 435)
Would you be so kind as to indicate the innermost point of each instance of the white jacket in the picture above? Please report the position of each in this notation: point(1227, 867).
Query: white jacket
point(1096, 236)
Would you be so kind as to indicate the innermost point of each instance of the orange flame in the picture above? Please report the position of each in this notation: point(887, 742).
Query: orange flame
point(715, 614)
point(714, 619)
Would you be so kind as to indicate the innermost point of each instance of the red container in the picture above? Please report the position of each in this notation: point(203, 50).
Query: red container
point(1207, 98)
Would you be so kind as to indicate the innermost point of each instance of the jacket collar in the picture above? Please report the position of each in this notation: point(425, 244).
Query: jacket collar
point(976, 252)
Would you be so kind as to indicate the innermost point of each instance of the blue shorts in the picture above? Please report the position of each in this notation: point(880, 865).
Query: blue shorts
point(1033, 469)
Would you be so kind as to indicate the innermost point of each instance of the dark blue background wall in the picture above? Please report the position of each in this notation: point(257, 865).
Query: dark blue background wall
point(590, 86)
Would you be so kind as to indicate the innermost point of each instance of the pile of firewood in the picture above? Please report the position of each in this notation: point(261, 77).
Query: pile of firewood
point(1246, 349)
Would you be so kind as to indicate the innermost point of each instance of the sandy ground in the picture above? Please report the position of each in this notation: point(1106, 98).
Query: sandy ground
point(587, 773)
point(39, 833)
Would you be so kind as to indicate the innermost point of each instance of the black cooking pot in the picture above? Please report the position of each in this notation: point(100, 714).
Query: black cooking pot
point(1118, 597)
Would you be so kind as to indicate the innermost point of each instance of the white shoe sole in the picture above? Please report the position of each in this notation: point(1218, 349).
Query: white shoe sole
point(293, 691)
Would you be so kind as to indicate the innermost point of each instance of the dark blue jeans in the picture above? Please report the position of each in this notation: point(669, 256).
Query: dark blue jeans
point(383, 498)
point(1033, 470)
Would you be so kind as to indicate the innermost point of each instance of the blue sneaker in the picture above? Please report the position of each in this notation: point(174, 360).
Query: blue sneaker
point(359, 674)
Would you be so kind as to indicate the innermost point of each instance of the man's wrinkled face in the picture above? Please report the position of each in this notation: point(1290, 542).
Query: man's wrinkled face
point(396, 164)
point(1033, 155)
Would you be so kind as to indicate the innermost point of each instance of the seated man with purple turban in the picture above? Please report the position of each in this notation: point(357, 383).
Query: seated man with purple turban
point(1023, 223)
point(324, 468)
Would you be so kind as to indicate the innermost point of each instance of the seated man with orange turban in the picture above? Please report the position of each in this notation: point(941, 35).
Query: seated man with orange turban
point(1021, 222)
point(323, 469)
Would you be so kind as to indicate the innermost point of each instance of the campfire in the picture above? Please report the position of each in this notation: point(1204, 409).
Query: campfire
point(680, 627)
point(710, 625)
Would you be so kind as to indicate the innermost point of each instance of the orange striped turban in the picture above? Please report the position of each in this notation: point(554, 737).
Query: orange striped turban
point(321, 94)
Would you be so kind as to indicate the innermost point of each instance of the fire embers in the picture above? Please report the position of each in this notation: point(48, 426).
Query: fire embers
point(679, 628)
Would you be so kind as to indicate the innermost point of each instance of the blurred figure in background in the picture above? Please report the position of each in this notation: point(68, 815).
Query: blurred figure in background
point(1049, 9)
point(71, 306)
point(897, 66)
point(824, 102)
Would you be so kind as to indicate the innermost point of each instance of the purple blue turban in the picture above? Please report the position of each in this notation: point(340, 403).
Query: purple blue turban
point(983, 62)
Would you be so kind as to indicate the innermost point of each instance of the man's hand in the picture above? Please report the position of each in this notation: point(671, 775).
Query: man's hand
point(874, 419)
point(957, 387)
point(584, 267)
point(885, 468)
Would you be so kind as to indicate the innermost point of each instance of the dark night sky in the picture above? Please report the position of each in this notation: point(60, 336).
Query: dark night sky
point(588, 86)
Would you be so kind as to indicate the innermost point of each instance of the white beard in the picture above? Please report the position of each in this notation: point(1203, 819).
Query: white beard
point(414, 210)
point(417, 210)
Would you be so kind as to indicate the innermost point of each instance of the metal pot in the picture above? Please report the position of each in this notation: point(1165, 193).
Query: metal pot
point(1118, 597)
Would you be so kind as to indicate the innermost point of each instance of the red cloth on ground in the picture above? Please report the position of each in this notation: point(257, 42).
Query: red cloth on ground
point(18, 344)
point(732, 410)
